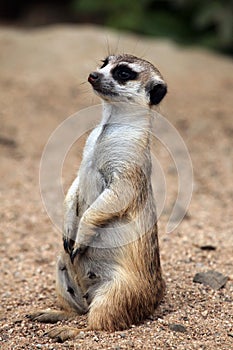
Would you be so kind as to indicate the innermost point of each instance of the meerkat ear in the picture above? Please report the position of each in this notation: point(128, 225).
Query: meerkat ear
point(157, 92)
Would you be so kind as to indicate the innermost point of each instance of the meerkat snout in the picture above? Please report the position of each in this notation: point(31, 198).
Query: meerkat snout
point(94, 77)
point(126, 78)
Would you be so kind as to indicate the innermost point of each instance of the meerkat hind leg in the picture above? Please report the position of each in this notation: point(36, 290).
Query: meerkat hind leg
point(61, 334)
point(70, 296)
point(50, 316)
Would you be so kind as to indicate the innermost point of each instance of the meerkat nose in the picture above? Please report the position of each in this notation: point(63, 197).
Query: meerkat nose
point(94, 77)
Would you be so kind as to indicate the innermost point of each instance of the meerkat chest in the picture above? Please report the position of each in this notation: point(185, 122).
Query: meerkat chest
point(90, 148)
point(90, 180)
point(115, 145)
point(110, 148)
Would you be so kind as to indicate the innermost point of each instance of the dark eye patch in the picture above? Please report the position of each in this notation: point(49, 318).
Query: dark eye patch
point(105, 62)
point(123, 73)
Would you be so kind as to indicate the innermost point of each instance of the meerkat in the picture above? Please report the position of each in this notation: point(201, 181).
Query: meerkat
point(110, 265)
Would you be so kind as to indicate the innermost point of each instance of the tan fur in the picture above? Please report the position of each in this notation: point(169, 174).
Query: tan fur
point(110, 266)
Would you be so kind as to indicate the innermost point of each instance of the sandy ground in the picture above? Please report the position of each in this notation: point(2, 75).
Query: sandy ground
point(41, 72)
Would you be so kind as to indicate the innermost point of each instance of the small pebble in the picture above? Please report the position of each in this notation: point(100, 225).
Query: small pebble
point(117, 347)
point(208, 247)
point(131, 344)
point(185, 318)
point(211, 278)
point(81, 335)
point(204, 313)
point(176, 327)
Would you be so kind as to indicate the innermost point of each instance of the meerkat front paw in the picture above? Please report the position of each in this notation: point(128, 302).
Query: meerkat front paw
point(70, 227)
point(69, 234)
point(85, 236)
point(49, 316)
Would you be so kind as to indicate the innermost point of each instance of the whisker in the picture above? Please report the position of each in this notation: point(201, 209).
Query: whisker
point(108, 46)
point(117, 44)
point(84, 82)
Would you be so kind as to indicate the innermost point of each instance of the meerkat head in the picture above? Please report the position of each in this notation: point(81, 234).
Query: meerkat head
point(126, 78)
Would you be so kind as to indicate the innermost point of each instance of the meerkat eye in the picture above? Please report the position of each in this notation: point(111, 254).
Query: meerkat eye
point(123, 73)
point(105, 62)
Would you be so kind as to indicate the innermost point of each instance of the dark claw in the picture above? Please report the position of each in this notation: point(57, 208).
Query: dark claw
point(68, 244)
point(86, 296)
point(77, 251)
point(91, 275)
point(73, 254)
point(65, 244)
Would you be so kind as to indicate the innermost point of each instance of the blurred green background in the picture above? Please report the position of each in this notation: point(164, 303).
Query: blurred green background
point(200, 22)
